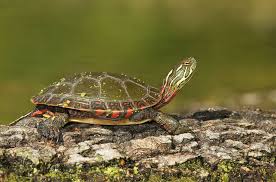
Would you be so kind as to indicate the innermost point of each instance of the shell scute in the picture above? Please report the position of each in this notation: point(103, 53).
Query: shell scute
point(62, 88)
point(112, 89)
point(135, 91)
point(87, 87)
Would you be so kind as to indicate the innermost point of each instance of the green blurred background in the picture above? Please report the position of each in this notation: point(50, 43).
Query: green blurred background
point(234, 43)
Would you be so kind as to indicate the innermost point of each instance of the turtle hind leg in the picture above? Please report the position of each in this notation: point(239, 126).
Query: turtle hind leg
point(50, 128)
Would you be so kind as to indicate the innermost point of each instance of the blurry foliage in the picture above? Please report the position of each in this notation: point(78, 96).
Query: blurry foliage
point(42, 41)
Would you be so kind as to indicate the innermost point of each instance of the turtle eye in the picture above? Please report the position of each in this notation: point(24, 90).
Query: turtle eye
point(186, 63)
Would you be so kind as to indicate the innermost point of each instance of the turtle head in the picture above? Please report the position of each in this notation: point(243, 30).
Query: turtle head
point(176, 79)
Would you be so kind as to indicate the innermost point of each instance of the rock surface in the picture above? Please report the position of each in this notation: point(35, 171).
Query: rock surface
point(219, 144)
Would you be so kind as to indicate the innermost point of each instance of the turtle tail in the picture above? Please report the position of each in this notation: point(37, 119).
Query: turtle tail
point(20, 118)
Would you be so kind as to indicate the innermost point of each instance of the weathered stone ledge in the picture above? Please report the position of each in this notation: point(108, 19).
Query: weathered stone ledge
point(219, 144)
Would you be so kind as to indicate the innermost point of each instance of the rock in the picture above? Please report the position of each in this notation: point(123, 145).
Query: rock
point(169, 160)
point(218, 144)
point(148, 146)
point(12, 136)
point(185, 137)
point(107, 151)
point(36, 156)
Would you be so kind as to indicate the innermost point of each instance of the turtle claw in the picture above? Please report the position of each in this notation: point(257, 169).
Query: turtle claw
point(50, 128)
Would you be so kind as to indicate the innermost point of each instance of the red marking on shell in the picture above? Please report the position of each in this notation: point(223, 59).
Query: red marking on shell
point(99, 112)
point(143, 107)
point(115, 114)
point(127, 105)
point(140, 104)
point(129, 113)
point(39, 112)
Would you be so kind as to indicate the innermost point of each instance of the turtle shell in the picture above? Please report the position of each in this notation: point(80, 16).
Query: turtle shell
point(100, 93)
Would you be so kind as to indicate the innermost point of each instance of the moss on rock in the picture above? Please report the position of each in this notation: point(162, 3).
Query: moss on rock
point(193, 170)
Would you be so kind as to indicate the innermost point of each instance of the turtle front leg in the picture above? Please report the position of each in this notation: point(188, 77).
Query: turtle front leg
point(50, 127)
point(169, 123)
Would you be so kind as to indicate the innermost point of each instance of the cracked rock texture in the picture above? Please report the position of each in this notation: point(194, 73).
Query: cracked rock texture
point(219, 144)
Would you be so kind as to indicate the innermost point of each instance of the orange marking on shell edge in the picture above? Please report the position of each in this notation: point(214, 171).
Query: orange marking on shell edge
point(115, 114)
point(129, 113)
point(39, 112)
point(99, 112)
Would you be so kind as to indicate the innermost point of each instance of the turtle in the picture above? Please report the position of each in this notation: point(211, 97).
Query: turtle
point(108, 99)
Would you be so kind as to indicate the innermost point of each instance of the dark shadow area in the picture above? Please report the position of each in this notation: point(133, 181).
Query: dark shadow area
point(211, 115)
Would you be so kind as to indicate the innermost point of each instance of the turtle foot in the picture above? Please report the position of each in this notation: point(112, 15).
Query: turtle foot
point(50, 128)
point(170, 124)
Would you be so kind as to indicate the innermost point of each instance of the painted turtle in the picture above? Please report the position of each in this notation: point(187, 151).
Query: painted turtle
point(108, 99)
